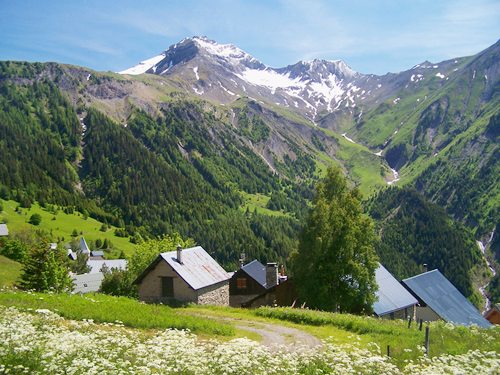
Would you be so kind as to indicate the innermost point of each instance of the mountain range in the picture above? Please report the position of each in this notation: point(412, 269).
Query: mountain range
point(418, 117)
point(206, 140)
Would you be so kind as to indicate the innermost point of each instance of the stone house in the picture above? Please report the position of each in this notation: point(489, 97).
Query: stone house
point(439, 299)
point(184, 275)
point(393, 300)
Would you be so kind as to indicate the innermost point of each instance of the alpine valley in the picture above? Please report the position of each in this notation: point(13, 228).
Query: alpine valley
point(206, 140)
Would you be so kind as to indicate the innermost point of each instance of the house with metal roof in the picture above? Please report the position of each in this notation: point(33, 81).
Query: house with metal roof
point(185, 275)
point(393, 300)
point(97, 254)
point(252, 280)
point(4, 231)
point(247, 283)
point(101, 265)
point(439, 299)
point(83, 246)
point(87, 282)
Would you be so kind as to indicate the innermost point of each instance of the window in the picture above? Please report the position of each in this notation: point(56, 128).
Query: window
point(167, 286)
point(241, 283)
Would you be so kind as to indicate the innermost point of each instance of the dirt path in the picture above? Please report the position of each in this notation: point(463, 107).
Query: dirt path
point(274, 336)
point(278, 337)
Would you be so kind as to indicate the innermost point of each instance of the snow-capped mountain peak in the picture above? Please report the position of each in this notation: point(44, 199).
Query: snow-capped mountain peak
point(229, 51)
point(224, 72)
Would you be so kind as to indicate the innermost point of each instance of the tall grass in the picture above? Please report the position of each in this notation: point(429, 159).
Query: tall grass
point(9, 271)
point(107, 309)
point(405, 343)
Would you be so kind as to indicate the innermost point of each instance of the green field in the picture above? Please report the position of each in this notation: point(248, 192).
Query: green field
point(366, 170)
point(257, 202)
point(9, 271)
point(107, 309)
point(61, 225)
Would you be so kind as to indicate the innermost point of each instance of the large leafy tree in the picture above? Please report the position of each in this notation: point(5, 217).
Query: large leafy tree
point(46, 269)
point(334, 267)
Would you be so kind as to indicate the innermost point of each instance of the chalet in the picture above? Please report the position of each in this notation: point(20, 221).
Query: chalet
point(252, 280)
point(92, 280)
point(493, 314)
point(439, 299)
point(87, 282)
point(393, 300)
point(97, 254)
point(102, 265)
point(4, 231)
point(185, 275)
point(281, 294)
point(84, 247)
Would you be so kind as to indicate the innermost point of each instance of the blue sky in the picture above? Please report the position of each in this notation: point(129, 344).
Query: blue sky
point(371, 36)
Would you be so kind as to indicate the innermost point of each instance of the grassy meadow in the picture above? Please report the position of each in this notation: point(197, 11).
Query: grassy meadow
point(9, 271)
point(61, 225)
point(108, 309)
point(134, 337)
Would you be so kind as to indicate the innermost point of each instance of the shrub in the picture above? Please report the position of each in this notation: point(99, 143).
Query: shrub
point(35, 219)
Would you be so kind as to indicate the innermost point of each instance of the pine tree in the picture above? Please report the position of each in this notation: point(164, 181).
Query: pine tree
point(334, 268)
point(46, 269)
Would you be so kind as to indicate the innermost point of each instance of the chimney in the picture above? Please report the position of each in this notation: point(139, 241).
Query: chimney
point(425, 267)
point(179, 254)
point(271, 275)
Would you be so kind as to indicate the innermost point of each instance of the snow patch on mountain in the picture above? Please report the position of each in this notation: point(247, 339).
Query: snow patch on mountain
point(269, 78)
point(195, 70)
point(227, 51)
point(143, 66)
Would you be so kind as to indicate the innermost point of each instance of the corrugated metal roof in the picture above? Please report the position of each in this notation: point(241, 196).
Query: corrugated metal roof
point(391, 295)
point(444, 299)
point(88, 282)
point(4, 231)
point(97, 253)
point(97, 264)
point(257, 271)
point(83, 246)
point(198, 268)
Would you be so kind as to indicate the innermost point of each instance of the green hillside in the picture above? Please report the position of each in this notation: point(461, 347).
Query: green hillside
point(9, 272)
point(442, 136)
point(61, 225)
point(414, 231)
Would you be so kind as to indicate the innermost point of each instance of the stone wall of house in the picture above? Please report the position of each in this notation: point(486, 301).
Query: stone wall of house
point(150, 286)
point(217, 294)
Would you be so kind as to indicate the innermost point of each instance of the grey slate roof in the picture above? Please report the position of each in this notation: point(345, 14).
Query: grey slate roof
point(88, 282)
point(4, 231)
point(391, 295)
point(97, 264)
point(198, 268)
point(257, 271)
point(444, 299)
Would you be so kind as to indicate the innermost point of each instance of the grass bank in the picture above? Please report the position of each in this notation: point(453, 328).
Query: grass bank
point(107, 309)
point(405, 343)
point(9, 271)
